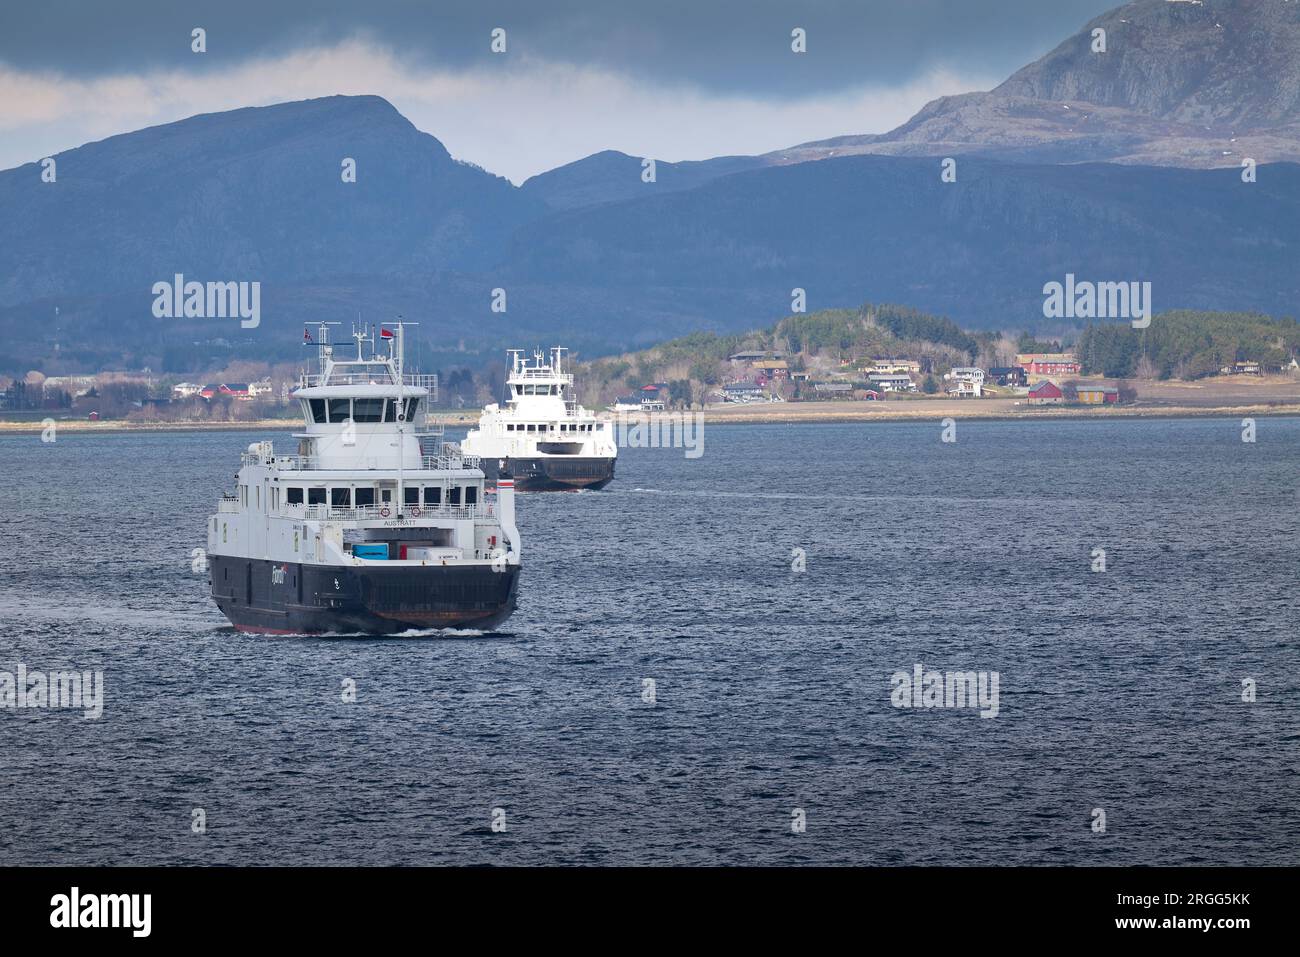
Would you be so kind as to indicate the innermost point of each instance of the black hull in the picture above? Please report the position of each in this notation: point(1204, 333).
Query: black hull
point(284, 598)
point(552, 473)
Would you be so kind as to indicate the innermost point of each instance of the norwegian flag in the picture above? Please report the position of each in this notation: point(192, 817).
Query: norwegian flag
point(385, 333)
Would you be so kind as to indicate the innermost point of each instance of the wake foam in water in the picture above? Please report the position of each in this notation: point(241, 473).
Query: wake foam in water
point(410, 633)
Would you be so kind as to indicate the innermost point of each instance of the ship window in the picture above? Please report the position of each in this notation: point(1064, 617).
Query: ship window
point(433, 495)
point(368, 410)
point(364, 496)
point(295, 495)
point(411, 406)
point(532, 428)
point(519, 390)
point(390, 412)
point(411, 495)
point(317, 410)
point(340, 410)
point(471, 494)
point(386, 495)
point(316, 496)
point(453, 495)
point(339, 497)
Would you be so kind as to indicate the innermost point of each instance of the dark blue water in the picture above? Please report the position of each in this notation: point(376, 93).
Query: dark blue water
point(1118, 690)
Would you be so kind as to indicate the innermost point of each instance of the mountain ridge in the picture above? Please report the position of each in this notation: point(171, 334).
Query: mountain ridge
point(593, 254)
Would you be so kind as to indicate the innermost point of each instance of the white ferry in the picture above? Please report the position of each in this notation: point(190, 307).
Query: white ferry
point(542, 438)
point(373, 526)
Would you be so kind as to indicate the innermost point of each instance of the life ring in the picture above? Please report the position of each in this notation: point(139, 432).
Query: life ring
point(383, 512)
point(415, 511)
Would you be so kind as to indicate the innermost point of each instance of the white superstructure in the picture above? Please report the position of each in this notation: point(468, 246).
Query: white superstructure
point(541, 436)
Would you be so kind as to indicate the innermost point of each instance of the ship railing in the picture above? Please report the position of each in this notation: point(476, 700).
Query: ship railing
point(308, 380)
point(311, 463)
point(389, 512)
point(543, 373)
point(281, 463)
point(228, 505)
point(448, 461)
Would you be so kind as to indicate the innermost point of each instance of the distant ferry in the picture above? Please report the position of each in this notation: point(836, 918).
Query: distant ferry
point(542, 438)
point(362, 530)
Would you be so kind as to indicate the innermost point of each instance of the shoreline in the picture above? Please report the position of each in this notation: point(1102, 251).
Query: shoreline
point(767, 414)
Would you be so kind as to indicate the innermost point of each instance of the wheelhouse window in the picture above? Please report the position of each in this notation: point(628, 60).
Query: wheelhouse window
point(340, 410)
point(293, 495)
point(368, 410)
point(317, 409)
point(316, 496)
point(360, 372)
point(364, 496)
point(412, 405)
point(340, 497)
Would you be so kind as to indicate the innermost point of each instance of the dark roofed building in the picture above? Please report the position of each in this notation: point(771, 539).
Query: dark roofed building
point(1008, 375)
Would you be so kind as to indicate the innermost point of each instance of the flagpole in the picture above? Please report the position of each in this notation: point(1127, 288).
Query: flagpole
point(401, 417)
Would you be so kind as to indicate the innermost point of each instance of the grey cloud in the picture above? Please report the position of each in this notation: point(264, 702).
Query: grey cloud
point(730, 46)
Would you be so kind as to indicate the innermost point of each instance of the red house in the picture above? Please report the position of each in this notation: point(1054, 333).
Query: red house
point(1046, 393)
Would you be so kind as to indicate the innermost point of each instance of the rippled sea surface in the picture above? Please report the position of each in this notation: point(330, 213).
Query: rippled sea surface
point(1119, 690)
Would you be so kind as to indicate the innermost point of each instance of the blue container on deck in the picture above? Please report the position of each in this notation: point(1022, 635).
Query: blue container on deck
point(379, 551)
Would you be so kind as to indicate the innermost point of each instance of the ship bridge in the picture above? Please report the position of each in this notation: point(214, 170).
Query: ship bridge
point(362, 411)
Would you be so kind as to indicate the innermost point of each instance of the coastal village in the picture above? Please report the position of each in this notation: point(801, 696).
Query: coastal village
point(134, 395)
point(844, 360)
point(906, 359)
point(1038, 378)
point(1034, 379)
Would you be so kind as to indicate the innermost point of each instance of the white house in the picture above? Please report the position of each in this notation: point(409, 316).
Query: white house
point(971, 376)
point(965, 390)
point(893, 383)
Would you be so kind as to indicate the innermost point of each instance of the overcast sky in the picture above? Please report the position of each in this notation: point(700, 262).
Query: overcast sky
point(673, 79)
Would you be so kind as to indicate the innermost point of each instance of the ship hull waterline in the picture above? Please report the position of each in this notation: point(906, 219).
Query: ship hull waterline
point(268, 597)
point(552, 473)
